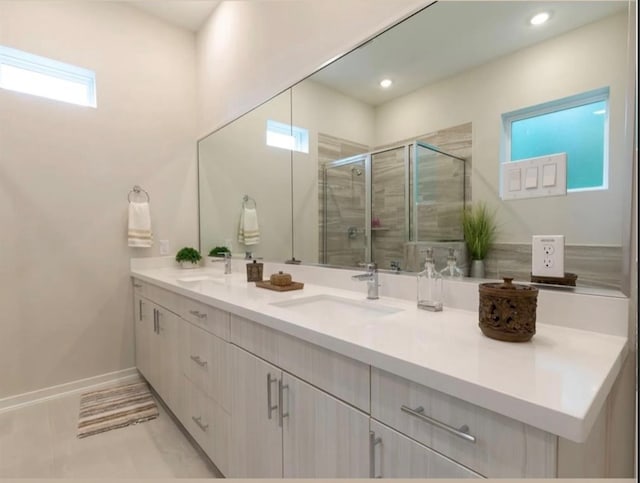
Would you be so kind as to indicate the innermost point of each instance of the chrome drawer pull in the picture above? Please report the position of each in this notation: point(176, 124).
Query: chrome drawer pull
point(198, 421)
point(281, 413)
point(198, 314)
point(373, 442)
point(199, 361)
point(460, 433)
point(137, 285)
point(270, 407)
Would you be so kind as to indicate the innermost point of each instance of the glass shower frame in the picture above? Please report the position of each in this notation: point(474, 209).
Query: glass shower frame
point(411, 174)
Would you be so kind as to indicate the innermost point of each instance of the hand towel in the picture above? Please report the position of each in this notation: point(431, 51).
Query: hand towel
point(140, 225)
point(248, 231)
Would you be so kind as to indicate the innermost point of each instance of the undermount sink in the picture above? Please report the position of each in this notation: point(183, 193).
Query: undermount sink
point(333, 306)
point(201, 278)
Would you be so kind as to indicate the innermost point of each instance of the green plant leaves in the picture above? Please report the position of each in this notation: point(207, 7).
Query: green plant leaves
point(188, 254)
point(479, 229)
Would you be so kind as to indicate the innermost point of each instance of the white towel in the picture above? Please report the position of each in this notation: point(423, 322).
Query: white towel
point(140, 225)
point(248, 231)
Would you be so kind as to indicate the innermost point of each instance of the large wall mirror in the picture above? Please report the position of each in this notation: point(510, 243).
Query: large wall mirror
point(362, 172)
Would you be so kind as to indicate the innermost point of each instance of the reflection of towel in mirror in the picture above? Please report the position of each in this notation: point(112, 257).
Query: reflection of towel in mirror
point(140, 225)
point(248, 232)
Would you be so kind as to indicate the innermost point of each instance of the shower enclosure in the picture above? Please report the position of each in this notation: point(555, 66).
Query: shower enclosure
point(379, 206)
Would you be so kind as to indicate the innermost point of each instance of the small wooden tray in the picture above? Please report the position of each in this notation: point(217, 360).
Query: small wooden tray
point(568, 279)
point(280, 288)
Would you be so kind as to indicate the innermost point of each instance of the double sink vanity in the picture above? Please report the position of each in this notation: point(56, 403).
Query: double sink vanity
point(322, 382)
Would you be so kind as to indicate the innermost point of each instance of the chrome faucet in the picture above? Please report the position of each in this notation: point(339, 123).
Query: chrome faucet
point(371, 276)
point(227, 262)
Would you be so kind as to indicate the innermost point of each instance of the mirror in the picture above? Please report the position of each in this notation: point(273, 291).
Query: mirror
point(457, 68)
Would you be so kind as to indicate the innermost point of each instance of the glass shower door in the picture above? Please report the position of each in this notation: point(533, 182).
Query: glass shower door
point(345, 215)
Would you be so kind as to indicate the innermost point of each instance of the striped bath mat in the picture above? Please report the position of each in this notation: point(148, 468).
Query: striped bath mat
point(114, 408)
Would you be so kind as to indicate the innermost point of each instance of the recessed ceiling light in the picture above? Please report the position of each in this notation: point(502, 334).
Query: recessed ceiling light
point(539, 18)
point(386, 83)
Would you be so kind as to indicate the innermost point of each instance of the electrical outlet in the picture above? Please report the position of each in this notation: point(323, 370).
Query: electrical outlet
point(164, 247)
point(547, 256)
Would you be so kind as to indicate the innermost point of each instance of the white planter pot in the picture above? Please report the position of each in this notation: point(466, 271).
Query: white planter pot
point(187, 264)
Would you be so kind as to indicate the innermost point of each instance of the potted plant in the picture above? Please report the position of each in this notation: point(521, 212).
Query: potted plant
point(480, 231)
point(188, 257)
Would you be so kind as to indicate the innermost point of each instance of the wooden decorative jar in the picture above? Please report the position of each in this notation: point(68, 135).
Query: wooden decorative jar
point(508, 311)
point(280, 279)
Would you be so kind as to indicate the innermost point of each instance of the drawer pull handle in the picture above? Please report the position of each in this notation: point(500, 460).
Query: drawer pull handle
point(270, 407)
point(281, 413)
point(460, 433)
point(137, 285)
point(198, 314)
point(199, 361)
point(198, 421)
point(373, 442)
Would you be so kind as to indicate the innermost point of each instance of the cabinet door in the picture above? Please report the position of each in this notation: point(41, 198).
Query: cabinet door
point(396, 456)
point(322, 436)
point(166, 357)
point(144, 331)
point(256, 437)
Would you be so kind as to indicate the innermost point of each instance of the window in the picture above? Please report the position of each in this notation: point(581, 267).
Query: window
point(577, 126)
point(284, 136)
point(39, 76)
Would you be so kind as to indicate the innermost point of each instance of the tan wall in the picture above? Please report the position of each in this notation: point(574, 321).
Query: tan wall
point(65, 172)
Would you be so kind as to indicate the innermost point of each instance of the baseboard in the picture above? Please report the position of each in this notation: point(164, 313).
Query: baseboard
point(14, 402)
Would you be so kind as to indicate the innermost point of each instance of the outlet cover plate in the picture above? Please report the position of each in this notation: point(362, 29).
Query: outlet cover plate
point(547, 256)
point(164, 247)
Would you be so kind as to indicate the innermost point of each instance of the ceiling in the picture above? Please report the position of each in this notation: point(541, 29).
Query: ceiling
point(189, 14)
point(450, 37)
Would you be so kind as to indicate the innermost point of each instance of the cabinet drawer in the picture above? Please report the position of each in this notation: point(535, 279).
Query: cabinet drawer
point(209, 425)
point(208, 318)
point(163, 298)
point(140, 288)
point(503, 447)
point(344, 378)
point(396, 456)
point(204, 361)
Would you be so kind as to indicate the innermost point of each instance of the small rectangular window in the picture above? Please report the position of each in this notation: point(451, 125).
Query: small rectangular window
point(280, 135)
point(577, 126)
point(39, 76)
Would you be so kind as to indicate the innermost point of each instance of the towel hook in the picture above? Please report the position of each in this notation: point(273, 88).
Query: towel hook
point(246, 199)
point(137, 191)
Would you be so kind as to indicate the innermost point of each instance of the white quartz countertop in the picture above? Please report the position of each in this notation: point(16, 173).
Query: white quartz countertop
point(557, 382)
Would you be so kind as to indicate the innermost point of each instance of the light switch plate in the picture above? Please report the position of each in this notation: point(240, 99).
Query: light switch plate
point(164, 247)
point(547, 256)
point(534, 177)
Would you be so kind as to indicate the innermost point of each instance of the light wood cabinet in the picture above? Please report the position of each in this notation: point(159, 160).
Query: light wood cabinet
point(144, 328)
point(282, 426)
point(256, 437)
point(393, 455)
point(322, 436)
point(491, 444)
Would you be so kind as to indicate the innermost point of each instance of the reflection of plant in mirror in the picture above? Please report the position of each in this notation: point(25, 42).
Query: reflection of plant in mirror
point(188, 254)
point(218, 251)
point(479, 229)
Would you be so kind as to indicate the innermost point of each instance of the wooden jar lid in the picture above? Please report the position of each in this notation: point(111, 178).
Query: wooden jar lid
point(281, 279)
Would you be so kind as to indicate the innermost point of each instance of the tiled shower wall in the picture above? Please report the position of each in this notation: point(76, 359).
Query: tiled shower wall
point(345, 203)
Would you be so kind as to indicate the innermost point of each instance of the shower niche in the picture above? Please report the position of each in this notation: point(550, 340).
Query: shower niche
point(386, 206)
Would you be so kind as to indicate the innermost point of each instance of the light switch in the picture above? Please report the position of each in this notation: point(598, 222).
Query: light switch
point(531, 178)
point(514, 180)
point(549, 175)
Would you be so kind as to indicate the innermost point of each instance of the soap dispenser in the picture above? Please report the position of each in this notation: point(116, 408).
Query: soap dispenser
point(430, 286)
point(451, 270)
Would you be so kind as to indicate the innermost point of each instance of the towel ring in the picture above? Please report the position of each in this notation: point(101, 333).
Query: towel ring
point(246, 199)
point(137, 191)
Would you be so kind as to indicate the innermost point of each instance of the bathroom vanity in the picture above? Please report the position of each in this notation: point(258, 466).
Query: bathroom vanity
point(321, 382)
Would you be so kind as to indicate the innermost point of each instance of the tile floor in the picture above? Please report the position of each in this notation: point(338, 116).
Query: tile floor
point(39, 441)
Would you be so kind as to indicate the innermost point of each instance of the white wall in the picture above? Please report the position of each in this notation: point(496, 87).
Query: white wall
point(65, 172)
point(249, 51)
point(588, 58)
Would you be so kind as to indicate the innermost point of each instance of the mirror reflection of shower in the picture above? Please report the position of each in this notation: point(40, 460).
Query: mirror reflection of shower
point(383, 206)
